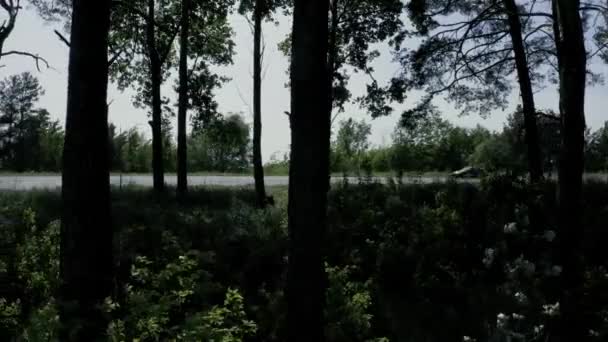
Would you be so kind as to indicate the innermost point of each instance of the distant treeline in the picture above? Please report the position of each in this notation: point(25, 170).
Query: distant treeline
point(31, 141)
point(437, 145)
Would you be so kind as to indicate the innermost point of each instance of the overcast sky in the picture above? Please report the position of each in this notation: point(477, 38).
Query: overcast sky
point(33, 35)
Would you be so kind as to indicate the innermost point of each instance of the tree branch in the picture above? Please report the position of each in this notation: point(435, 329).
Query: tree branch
point(36, 58)
point(62, 38)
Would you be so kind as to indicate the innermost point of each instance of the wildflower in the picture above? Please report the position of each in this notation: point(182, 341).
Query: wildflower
point(521, 297)
point(510, 228)
point(518, 316)
point(539, 329)
point(551, 309)
point(501, 320)
point(593, 333)
point(468, 339)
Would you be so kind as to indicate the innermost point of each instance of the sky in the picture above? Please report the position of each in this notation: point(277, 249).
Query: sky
point(34, 35)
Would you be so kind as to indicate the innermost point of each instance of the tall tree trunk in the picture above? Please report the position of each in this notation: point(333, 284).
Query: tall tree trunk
point(308, 172)
point(86, 264)
point(158, 170)
point(258, 168)
point(527, 96)
point(332, 54)
point(182, 150)
point(572, 62)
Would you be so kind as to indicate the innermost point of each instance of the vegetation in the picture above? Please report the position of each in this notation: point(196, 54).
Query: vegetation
point(515, 256)
point(215, 265)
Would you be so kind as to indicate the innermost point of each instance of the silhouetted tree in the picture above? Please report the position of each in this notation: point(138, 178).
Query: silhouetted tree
point(144, 32)
point(260, 10)
point(182, 112)
point(470, 50)
point(526, 91)
point(572, 62)
point(309, 171)
point(86, 265)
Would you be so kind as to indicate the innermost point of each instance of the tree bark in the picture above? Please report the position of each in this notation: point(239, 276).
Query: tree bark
point(258, 168)
point(572, 64)
point(527, 95)
point(182, 112)
point(86, 264)
point(308, 172)
point(158, 170)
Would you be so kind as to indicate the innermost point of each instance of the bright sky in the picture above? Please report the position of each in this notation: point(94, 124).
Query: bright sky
point(33, 35)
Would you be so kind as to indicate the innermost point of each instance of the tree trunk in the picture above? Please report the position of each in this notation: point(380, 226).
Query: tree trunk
point(332, 55)
point(527, 96)
point(182, 150)
point(258, 168)
point(86, 264)
point(158, 170)
point(572, 63)
point(308, 172)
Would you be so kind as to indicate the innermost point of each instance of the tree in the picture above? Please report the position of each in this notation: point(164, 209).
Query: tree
point(572, 63)
point(470, 50)
point(28, 137)
point(596, 153)
point(309, 171)
point(182, 152)
point(351, 143)
point(86, 261)
point(548, 134)
point(144, 31)
point(211, 45)
point(18, 96)
point(12, 8)
point(526, 91)
point(260, 10)
point(354, 26)
point(495, 154)
point(224, 145)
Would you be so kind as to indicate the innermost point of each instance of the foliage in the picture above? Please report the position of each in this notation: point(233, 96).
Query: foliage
point(29, 140)
point(466, 55)
point(277, 165)
point(212, 45)
point(355, 27)
point(405, 262)
point(350, 144)
point(348, 307)
point(596, 154)
point(224, 145)
point(153, 298)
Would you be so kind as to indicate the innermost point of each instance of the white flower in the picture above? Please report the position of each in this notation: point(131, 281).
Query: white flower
point(518, 316)
point(593, 333)
point(539, 329)
point(489, 255)
point(501, 320)
point(468, 339)
point(549, 235)
point(556, 270)
point(521, 297)
point(551, 309)
point(510, 228)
